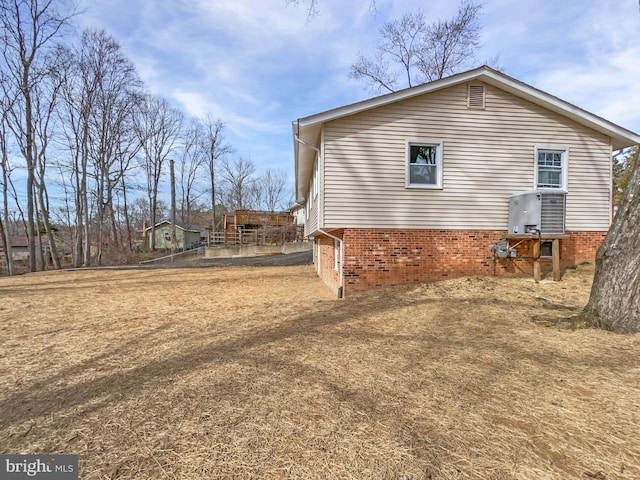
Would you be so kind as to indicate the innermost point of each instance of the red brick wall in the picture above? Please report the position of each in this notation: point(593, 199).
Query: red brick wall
point(580, 247)
point(324, 247)
point(385, 257)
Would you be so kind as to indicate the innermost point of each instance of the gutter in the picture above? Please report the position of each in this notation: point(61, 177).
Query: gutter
point(341, 287)
point(297, 143)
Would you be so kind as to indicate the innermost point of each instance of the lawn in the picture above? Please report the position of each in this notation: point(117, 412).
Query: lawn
point(258, 372)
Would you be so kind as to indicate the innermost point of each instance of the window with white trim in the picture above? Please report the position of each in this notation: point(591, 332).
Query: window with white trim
point(551, 168)
point(424, 164)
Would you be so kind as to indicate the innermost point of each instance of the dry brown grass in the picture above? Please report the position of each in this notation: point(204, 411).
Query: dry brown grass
point(258, 373)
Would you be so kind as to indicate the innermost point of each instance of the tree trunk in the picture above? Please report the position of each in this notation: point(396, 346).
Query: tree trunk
point(127, 221)
point(79, 226)
point(31, 222)
point(6, 244)
point(44, 213)
point(614, 303)
point(6, 234)
point(86, 224)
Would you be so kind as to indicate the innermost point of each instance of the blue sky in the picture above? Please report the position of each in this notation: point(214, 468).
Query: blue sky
point(259, 64)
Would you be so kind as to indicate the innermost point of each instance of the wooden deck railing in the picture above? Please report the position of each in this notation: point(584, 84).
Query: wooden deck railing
point(262, 236)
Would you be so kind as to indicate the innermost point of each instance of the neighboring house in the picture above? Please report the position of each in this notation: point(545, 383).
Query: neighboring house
point(187, 238)
point(416, 185)
point(20, 247)
point(298, 213)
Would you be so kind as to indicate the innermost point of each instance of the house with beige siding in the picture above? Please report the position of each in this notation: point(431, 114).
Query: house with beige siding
point(186, 238)
point(429, 182)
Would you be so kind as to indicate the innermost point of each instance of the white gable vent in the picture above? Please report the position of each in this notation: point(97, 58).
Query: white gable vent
point(475, 98)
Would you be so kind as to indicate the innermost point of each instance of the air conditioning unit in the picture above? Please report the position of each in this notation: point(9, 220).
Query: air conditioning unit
point(533, 212)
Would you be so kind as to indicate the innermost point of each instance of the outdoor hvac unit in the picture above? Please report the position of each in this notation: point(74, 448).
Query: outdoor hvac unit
point(530, 212)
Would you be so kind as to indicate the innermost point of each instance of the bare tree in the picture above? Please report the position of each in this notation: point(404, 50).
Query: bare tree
point(452, 43)
point(44, 103)
point(273, 189)
point(313, 8)
point(100, 95)
point(192, 157)
point(75, 114)
point(114, 86)
point(623, 164)
point(216, 149)
point(158, 127)
point(411, 51)
point(28, 30)
point(239, 180)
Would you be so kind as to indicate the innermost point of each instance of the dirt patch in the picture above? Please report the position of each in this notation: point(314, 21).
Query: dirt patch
point(258, 372)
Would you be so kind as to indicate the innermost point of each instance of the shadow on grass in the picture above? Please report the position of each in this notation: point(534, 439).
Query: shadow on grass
point(48, 398)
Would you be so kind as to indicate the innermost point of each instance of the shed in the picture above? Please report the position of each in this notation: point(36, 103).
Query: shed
point(187, 238)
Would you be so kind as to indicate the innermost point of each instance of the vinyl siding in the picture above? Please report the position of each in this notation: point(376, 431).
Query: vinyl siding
point(487, 156)
point(312, 208)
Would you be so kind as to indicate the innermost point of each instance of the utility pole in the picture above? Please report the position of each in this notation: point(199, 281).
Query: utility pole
point(213, 192)
point(174, 241)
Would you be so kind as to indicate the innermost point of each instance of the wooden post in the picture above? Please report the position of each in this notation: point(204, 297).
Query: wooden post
point(555, 258)
point(536, 260)
point(174, 240)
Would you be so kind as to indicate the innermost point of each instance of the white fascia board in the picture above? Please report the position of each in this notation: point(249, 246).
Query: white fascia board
point(389, 98)
point(304, 158)
point(621, 137)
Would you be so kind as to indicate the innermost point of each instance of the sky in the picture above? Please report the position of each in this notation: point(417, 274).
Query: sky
point(258, 65)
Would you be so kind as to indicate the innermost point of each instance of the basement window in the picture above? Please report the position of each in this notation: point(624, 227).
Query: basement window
point(546, 249)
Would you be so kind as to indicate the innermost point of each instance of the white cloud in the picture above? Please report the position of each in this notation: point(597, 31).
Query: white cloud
point(601, 76)
point(259, 64)
point(604, 87)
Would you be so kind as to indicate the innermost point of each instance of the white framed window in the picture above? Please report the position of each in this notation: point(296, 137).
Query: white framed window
point(551, 168)
point(424, 164)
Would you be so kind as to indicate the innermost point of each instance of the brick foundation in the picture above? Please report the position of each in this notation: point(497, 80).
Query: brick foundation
point(384, 257)
point(324, 246)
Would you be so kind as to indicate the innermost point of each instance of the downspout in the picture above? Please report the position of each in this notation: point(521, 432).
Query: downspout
point(341, 282)
point(299, 140)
